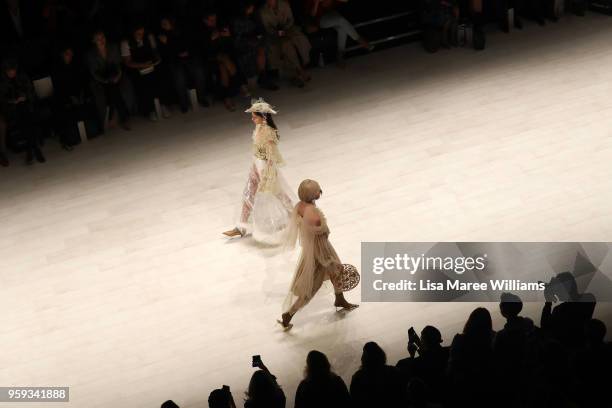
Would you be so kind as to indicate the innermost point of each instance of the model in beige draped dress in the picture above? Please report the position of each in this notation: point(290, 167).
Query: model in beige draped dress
point(318, 261)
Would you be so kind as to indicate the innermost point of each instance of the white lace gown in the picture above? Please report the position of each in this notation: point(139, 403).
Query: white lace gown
point(267, 200)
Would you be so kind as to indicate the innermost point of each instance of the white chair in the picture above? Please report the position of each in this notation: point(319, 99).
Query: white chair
point(193, 97)
point(43, 87)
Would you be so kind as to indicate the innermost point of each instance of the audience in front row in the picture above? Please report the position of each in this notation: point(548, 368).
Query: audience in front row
point(109, 85)
point(186, 66)
point(321, 387)
point(324, 14)
point(289, 48)
point(18, 112)
point(521, 365)
point(217, 48)
point(140, 56)
point(72, 98)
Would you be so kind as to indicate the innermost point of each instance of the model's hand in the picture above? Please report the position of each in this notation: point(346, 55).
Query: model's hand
point(163, 38)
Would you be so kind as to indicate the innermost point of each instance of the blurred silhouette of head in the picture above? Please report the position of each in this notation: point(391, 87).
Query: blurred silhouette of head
point(373, 356)
point(431, 338)
point(568, 289)
point(167, 23)
point(99, 39)
point(479, 324)
point(262, 387)
point(317, 366)
point(9, 67)
point(219, 398)
point(595, 332)
point(169, 404)
point(510, 305)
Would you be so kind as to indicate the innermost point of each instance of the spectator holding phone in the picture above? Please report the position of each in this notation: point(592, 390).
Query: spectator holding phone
point(565, 322)
point(264, 391)
point(430, 364)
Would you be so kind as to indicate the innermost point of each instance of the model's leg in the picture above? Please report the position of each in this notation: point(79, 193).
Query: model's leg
point(340, 300)
point(248, 200)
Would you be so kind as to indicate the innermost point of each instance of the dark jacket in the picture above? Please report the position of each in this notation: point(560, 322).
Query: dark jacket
point(331, 393)
point(104, 70)
point(11, 89)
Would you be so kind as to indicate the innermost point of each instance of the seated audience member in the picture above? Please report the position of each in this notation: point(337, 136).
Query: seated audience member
point(430, 366)
point(324, 14)
point(591, 366)
point(264, 391)
point(286, 41)
point(441, 17)
point(18, 109)
point(218, 46)
point(221, 398)
point(250, 47)
point(512, 347)
point(169, 404)
point(376, 384)
point(184, 64)
point(470, 364)
point(72, 101)
point(4, 162)
point(321, 388)
point(566, 321)
point(109, 85)
point(140, 56)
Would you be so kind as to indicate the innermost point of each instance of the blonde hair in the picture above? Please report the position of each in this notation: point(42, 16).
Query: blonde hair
point(308, 190)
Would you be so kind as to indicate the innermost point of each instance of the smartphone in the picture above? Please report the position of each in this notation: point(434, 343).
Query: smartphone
point(413, 337)
point(256, 361)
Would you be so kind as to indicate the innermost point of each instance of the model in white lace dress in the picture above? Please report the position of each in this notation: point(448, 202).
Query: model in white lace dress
point(267, 200)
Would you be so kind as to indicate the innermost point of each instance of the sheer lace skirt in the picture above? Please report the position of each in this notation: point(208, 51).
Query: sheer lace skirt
point(265, 214)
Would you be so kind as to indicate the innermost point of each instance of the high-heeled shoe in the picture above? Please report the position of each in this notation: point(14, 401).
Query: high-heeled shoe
point(234, 233)
point(285, 322)
point(347, 307)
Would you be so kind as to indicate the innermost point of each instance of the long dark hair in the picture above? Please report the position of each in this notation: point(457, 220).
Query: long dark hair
point(269, 120)
point(263, 389)
point(318, 368)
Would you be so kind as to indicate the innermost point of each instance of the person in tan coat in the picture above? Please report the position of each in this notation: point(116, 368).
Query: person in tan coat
point(288, 46)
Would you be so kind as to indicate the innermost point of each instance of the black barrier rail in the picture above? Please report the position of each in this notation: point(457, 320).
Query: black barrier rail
point(386, 39)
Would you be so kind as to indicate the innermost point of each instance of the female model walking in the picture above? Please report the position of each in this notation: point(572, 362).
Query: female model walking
point(267, 199)
point(318, 261)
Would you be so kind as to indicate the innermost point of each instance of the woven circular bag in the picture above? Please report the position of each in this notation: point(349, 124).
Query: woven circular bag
point(349, 278)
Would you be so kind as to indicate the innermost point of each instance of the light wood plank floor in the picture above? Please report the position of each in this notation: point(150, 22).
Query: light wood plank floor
point(116, 280)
